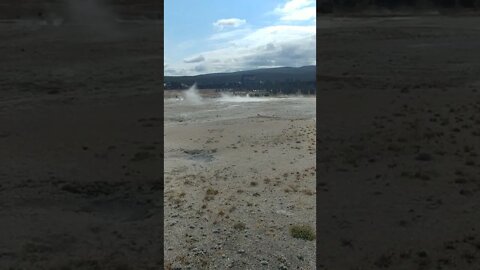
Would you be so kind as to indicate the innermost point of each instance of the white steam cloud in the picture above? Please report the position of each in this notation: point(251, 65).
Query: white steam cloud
point(228, 97)
point(192, 96)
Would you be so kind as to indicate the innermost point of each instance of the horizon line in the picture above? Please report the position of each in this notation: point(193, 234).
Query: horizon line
point(236, 71)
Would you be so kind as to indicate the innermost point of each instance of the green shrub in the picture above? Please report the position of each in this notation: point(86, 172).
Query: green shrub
point(304, 232)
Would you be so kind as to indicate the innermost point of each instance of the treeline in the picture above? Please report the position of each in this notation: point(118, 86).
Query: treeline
point(281, 79)
point(330, 6)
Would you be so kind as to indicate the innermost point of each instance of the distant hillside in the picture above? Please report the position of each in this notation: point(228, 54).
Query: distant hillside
point(270, 78)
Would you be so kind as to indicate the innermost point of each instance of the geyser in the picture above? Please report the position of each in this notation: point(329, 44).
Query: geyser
point(192, 96)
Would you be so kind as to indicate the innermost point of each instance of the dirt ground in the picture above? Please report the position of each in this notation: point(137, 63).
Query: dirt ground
point(239, 172)
point(398, 142)
point(80, 115)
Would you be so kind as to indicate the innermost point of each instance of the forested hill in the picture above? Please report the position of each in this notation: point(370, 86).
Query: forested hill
point(285, 78)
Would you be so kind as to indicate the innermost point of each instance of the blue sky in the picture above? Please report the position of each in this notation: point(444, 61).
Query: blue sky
point(224, 36)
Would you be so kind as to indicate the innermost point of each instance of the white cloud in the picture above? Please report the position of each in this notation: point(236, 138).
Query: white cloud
point(297, 10)
point(200, 68)
point(171, 72)
point(195, 59)
point(276, 33)
point(284, 43)
point(232, 22)
point(229, 34)
point(272, 46)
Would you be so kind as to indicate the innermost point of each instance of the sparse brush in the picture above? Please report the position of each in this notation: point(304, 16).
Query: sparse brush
point(304, 232)
point(239, 226)
point(212, 191)
point(210, 194)
point(308, 192)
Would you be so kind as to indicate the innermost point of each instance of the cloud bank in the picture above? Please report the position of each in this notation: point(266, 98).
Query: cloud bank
point(195, 59)
point(297, 10)
point(289, 41)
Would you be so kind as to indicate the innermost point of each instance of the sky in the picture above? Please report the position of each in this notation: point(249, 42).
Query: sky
point(211, 36)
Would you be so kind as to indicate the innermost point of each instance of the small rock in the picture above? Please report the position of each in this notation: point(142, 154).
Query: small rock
point(241, 251)
point(264, 262)
point(283, 212)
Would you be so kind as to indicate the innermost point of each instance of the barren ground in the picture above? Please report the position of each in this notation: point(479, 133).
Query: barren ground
point(398, 129)
point(80, 118)
point(238, 174)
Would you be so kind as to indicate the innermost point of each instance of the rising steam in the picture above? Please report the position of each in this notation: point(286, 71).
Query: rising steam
point(192, 96)
point(227, 97)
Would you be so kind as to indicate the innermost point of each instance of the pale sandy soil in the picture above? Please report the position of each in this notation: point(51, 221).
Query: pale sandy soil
point(230, 162)
point(80, 118)
point(399, 129)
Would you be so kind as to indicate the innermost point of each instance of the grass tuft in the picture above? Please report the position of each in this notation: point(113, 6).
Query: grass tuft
point(239, 226)
point(304, 232)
